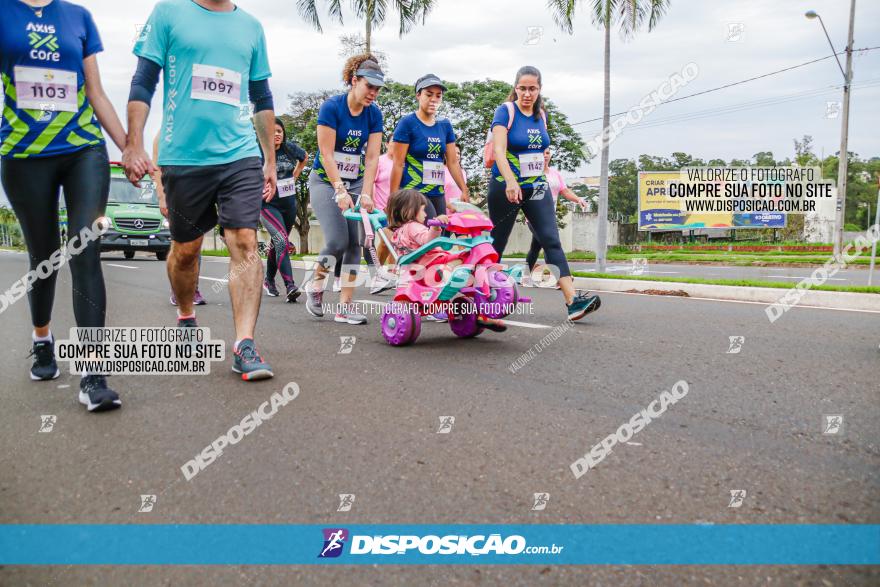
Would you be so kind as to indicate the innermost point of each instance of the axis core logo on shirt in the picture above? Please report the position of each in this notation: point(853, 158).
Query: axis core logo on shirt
point(43, 42)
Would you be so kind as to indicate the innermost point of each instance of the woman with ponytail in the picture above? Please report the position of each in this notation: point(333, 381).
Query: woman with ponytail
point(519, 181)
point(349, 141)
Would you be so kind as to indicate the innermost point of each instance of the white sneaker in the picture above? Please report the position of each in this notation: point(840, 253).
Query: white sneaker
point(337, 285)
point(347, 316)
point(381, 284)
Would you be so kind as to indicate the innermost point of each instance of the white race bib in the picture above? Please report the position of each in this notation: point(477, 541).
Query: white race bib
point(531, 164)
point(216, 84)
point(348, 164)
point(433, 173)
point(286, 187)
point(43, 89)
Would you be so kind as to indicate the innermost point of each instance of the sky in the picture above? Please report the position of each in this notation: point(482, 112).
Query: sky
point(462, 40)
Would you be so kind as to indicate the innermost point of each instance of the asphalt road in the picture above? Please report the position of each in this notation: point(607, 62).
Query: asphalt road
point(366, 423)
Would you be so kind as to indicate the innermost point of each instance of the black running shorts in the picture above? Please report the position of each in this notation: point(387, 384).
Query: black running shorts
point(202, 196)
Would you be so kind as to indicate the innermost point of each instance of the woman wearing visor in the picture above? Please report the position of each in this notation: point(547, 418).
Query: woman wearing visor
point(424, 146)
point(349, 140)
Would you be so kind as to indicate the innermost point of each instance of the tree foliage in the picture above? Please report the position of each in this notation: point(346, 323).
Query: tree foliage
point(470, 106)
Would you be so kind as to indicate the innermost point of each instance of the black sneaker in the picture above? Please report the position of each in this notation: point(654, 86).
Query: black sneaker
point(582, 305)
point(44, 367)
point(248, 362)
point(96, 396)
point(269, 287)
point(187, 322)
point(292, 293)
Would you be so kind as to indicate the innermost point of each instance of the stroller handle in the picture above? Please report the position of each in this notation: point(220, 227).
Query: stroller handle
point(376, 216)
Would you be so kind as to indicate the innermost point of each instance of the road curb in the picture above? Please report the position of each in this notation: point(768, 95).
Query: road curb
point(766, 295)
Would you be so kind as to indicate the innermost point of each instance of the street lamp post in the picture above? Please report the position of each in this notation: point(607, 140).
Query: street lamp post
point(844, 125)
point(873, 231)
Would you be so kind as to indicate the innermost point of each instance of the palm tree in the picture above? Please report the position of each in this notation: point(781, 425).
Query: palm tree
point(373, 12)
point(629, 16)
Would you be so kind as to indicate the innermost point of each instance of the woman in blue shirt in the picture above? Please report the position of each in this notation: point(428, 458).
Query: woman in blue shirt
point(349, 125)
point(424, 146)
point(519, 137)
point(52, 137)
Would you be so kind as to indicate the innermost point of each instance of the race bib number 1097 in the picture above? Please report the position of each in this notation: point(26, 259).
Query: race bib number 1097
point(216, 84)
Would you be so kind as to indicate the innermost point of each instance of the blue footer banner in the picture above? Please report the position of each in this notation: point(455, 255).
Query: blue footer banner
point(529, 544)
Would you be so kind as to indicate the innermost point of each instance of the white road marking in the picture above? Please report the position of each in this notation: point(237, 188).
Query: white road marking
point(806, 277)
point(629, 293)
point(122, 266)
point(523, 324)
point(214, 279)
point(628, 268)
point(506, 322)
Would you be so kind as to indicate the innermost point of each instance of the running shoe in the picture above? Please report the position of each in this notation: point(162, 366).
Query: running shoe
point(248, 362)
point(96, 396)
point(347, 315)
point(582, 305)
point(491, 324)
point(292, 293)
point(381, 284)
point(198, 299)
point(269, 287)
point(438, 317)
point(187, 322)
point(337, 285)
point(315, 303)
point(44, 367)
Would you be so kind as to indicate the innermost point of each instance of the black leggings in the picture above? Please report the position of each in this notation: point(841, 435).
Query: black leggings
point(534, 250)
point(279, 223)
point(436, 206)
point(32, 186)
point(538, 207)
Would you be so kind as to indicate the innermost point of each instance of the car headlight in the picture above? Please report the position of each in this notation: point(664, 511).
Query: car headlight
point(166, 224)
point(105, 223)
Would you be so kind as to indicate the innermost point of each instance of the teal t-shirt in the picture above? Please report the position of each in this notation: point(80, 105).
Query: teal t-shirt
point(208, 59)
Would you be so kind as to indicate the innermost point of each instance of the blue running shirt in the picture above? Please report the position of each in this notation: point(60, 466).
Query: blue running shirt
point(352, 135)
point(424, 168)
point(526, 141)
point(45, 108)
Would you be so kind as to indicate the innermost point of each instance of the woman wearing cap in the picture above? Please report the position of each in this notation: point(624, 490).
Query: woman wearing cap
point(519, 137)
point(349, 125)
point(421, 145)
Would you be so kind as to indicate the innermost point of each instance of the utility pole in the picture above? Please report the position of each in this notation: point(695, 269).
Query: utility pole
point(844, 125)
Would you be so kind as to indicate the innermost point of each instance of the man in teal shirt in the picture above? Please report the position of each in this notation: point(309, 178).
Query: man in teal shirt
point(213, 58)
